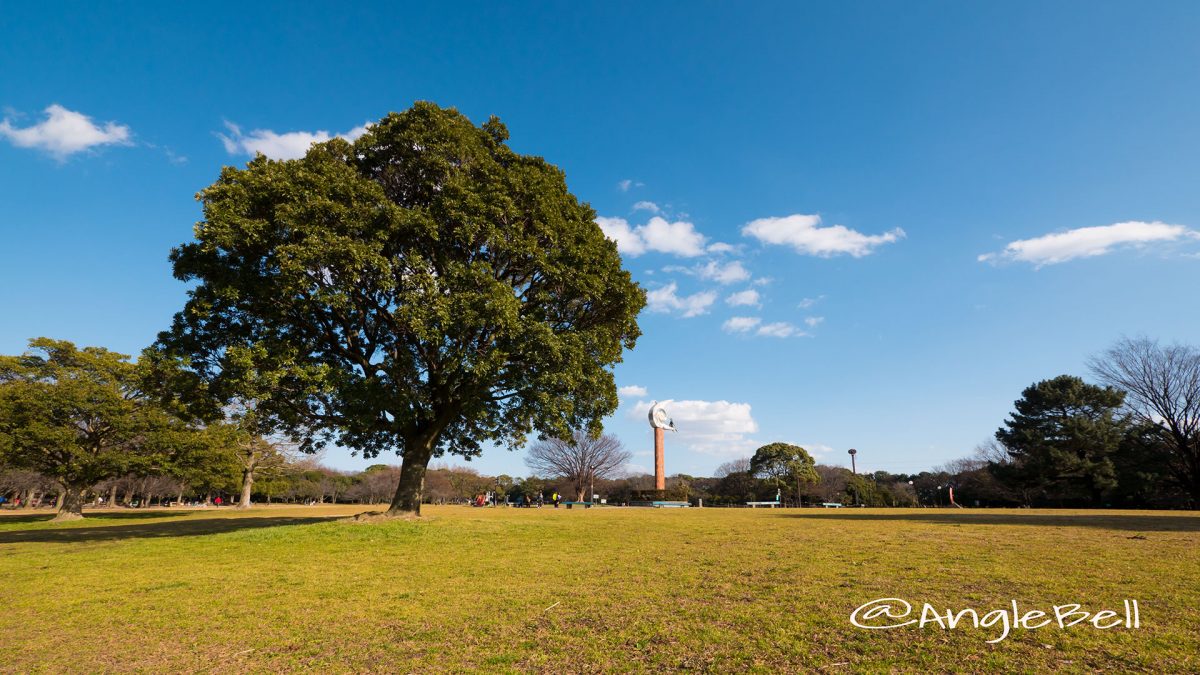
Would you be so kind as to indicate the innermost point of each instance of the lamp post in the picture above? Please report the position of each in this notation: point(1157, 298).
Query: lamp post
point(854, 470)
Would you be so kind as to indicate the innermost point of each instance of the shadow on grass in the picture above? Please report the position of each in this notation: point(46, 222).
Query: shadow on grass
point(44, 516)
point(182, 527)
point(1130, 522)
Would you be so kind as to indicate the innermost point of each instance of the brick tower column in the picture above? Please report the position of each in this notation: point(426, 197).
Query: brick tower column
point(660, 473)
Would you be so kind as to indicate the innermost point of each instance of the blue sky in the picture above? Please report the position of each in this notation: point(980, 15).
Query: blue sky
point(934, 203)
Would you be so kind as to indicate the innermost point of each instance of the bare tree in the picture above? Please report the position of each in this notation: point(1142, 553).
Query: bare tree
point(740, 465)
point(580, 460)
point(992, 451)
point(466, 482)
point(24, 485)
point(1162, 385)
point(374, 485)
point(833, 483)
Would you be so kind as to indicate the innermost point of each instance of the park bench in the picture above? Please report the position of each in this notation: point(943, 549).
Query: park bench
point(758, 504)
point(586, 505)
point(832, 505)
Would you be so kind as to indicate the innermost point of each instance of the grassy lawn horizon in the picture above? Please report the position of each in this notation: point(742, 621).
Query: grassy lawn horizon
point(483, 589)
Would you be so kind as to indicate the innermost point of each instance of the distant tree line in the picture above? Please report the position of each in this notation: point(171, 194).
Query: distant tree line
point(88, 426)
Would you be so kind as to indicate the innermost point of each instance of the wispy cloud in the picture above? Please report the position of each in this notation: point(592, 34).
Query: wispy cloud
point(740, 324)
point(647, 206)
point(814, 321)
point(722, 273)
point(65, 132)
point(287, 145)
point(658, 234)
point(1088, 242)
point(728, 273)
point(666, 299)
point(779, 329)
point(805, 234)
point(718, 428)
point(746, 298)
point(809, 302)
point(627, 184)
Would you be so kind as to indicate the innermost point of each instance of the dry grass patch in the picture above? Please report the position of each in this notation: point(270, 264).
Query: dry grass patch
point(292, 588)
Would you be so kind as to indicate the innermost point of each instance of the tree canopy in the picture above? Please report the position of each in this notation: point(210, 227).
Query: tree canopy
point(424, 289)
point(79, 416)
point(1065, 432)
point(784, 463)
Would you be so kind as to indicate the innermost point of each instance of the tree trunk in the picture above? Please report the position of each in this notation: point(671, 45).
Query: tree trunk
point(407, 501)
point(112, 496)
point(247, 486)
point(71, 507)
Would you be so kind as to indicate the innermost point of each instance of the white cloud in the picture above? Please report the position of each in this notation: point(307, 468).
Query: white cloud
point(1087, 242)
point(814, 321)
point(288, 145)
point(647, 206)
point(665, 299)
point(740, 324)
point(729, 273)
point(717, 428)
point(677, 238)
point(804, 233)
point(721, 247)
point(631, 391)
point(625, 185)
point(64, 133)
point(780, 329)
point(628, 240)
point(746, 298)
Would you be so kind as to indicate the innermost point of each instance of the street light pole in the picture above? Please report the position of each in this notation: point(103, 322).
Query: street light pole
point(854, 470)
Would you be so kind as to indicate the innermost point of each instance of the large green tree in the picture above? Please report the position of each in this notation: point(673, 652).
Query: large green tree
point(424, 289)
point(80, 416)
point(1063, 436)
point(783, 463)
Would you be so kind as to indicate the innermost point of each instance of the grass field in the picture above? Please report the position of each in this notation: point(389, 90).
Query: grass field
point(292, 588)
